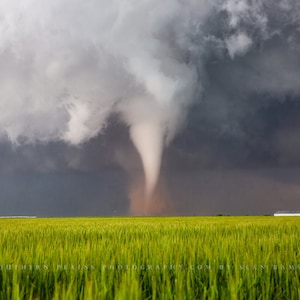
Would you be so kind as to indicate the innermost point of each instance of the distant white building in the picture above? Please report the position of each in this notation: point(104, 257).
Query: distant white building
point(17, 217)
point(287, 214)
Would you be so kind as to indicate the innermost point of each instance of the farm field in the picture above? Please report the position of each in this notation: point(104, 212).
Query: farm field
point(150, 258)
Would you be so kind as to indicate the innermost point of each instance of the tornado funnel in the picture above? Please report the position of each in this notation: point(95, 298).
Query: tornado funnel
point(148, 140)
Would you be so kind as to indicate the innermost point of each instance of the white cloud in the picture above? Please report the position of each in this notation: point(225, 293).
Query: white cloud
point(238, 44)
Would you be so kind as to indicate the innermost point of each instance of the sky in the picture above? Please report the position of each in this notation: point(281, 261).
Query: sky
point(149, 108)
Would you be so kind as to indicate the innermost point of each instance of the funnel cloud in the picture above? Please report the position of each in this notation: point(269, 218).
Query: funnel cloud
point(194, 83)
point(148, 140)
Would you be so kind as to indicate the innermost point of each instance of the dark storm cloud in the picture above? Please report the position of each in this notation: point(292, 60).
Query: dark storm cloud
point(235, 192)
point(64, 194)
point(249, 110)
point(221, 79)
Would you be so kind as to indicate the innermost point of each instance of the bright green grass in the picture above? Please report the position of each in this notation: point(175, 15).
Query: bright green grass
point(150, 258)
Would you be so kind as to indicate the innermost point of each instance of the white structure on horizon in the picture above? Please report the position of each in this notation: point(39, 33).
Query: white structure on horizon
point(17, 217)
point(287, 214)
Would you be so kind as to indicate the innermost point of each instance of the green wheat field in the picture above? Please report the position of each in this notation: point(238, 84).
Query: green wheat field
point(150, 258)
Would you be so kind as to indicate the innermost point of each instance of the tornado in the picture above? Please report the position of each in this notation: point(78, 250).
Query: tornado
point(68, 66)
point(148, 140)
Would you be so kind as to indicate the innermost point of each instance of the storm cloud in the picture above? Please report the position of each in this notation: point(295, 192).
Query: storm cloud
point(198, 86)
